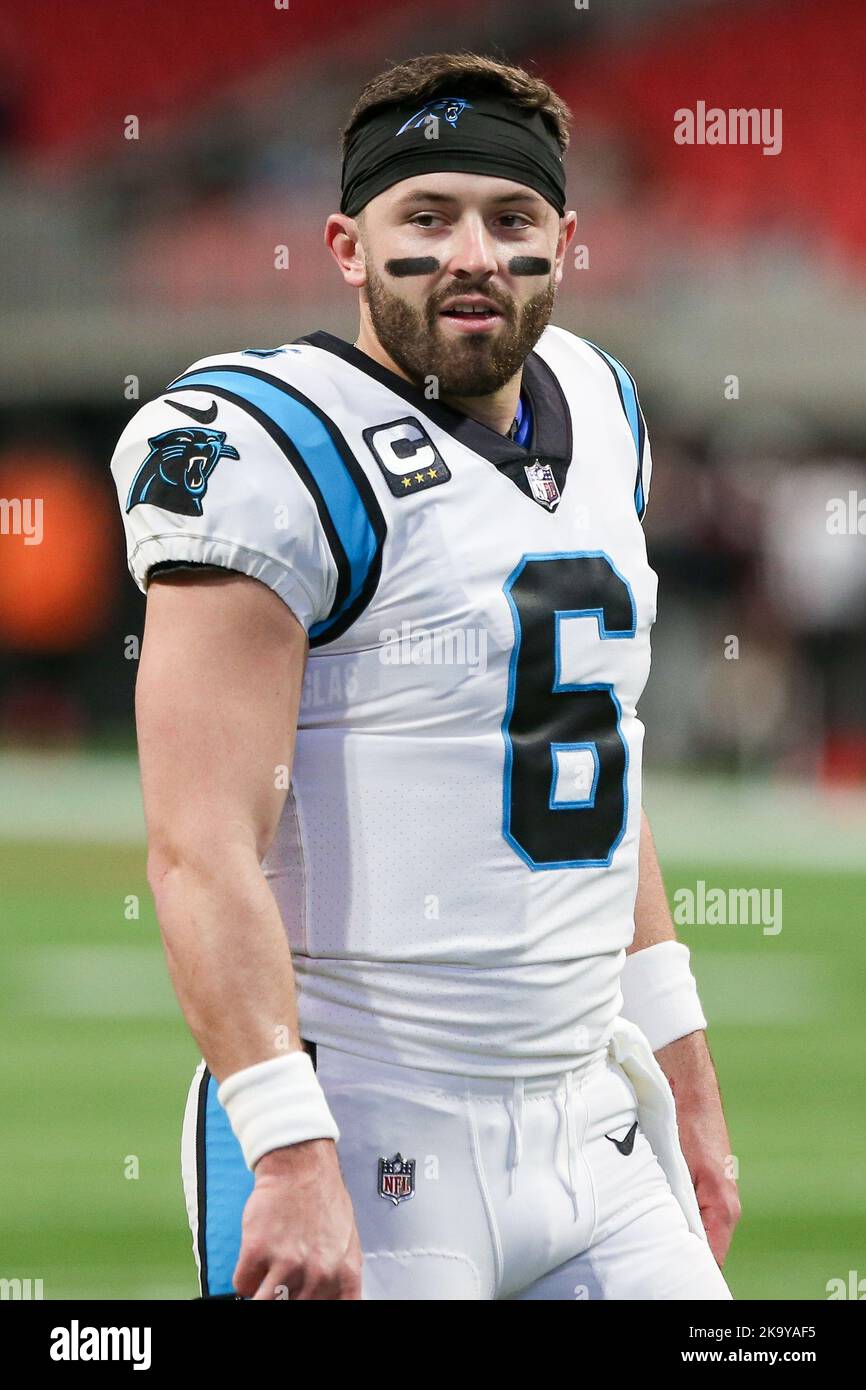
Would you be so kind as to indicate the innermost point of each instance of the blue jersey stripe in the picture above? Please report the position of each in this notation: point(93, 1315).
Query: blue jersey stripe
point(627, 394)
point(633, 414)
point(304, 428)
point(639, 503)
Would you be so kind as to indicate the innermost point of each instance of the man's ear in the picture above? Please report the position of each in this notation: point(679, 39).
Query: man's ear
point(343, 240)
point(567, 229)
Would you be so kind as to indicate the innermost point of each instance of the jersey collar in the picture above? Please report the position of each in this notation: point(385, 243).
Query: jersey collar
point(551, 441)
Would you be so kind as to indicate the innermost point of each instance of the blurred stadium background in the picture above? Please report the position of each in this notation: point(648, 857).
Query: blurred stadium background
point(126, 258)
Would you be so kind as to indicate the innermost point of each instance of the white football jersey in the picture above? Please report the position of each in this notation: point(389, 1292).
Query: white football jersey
point(457, 861)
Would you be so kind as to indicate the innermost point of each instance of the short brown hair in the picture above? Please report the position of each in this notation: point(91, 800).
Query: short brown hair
point(421, 79)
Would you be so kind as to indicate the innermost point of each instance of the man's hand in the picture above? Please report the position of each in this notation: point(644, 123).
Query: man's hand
point(703, 1137)
point(299, 1238)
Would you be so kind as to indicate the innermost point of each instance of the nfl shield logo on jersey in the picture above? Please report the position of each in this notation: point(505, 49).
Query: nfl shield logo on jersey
point(543, 484)
point(397, 1178)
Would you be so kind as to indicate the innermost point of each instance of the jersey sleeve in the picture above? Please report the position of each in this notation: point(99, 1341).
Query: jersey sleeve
point(631, 406)
point(202, 482)
point(629, 401)
point(644, 476)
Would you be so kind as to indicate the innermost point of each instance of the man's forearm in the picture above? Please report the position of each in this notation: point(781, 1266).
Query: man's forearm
point(658, 988)
point(227, 954)
point(686, 1060)
point(652, 916)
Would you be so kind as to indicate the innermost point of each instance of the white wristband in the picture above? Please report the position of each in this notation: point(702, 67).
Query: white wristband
point(275, 1103)
point(659, 993)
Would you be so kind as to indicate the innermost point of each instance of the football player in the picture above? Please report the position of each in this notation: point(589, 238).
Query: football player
point(397, 628)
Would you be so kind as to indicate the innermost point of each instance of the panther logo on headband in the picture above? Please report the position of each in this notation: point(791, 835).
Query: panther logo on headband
point(450, 108)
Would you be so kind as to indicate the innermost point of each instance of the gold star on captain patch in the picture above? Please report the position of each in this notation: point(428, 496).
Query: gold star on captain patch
point(419, 477)
point(407, 482)
point(431, 473)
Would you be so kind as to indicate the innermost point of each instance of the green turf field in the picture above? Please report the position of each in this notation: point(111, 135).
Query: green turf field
point(97, 1062)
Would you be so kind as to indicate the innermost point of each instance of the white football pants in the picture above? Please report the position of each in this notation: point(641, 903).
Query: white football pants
point(535, 1189)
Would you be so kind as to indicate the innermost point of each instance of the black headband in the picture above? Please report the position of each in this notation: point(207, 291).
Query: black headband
point(484, 135)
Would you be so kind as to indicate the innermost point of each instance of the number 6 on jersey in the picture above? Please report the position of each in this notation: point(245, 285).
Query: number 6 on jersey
point(566, 761)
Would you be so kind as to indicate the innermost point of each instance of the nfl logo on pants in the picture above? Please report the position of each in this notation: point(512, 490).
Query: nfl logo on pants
point(397, 1178)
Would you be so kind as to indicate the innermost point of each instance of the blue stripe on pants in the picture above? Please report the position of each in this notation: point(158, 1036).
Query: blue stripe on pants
point(228, 1184)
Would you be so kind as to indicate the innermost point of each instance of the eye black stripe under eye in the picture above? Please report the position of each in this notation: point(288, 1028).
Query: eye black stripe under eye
point(412, 265)
point(529, 265)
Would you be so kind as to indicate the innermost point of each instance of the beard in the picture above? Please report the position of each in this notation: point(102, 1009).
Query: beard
point(465, 365)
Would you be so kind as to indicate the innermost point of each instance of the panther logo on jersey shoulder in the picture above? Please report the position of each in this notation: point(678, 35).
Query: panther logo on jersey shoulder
point(176, 471)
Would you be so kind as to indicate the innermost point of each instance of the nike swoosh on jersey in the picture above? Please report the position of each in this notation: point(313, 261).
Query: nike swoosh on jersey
point(205, 417)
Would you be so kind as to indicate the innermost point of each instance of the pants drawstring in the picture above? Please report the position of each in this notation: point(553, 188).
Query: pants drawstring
point(516, 1112)
point(563, 1098)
